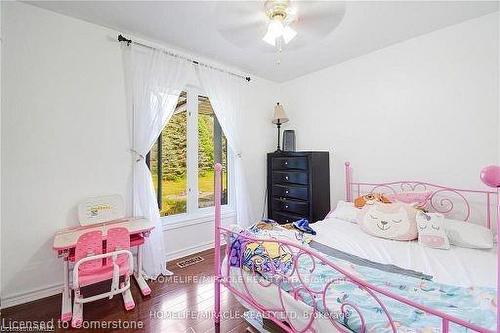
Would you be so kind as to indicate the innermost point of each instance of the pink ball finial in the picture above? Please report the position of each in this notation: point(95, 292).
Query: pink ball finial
point(218, 167)
point(490, 175)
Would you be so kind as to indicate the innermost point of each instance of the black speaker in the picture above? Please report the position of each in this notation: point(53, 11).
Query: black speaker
point(289, 140)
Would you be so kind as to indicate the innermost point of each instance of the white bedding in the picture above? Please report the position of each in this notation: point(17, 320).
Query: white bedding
point(458, 266)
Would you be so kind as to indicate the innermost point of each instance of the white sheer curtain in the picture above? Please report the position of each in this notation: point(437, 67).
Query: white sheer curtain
point(157, 81)
point(225, 92)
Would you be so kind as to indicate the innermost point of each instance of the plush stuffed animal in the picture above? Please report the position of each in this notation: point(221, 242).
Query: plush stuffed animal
point(393, 221)
point(431, 231)
point(369, 199)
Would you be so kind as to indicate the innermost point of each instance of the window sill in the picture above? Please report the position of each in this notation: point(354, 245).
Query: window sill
point(185, 220)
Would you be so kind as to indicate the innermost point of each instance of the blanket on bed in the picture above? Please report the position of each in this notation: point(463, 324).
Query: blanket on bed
point(476, 305)
point(332, 252)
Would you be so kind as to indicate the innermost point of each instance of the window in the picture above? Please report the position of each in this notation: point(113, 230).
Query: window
point(167, 161)
point(182, 159)
point(212, 148)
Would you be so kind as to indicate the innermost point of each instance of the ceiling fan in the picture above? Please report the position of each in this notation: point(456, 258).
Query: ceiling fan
point(280, 16)
point(273, 24)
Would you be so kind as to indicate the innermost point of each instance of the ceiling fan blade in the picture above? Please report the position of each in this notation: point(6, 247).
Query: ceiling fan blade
point(238, 10)
point(318, 18)
point(243, 35)
point(249, 23)
point(241, 23)
point(245, 23)
point(311, 8)
point(250, 28)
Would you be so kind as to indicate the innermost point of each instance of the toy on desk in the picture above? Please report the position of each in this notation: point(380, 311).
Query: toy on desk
point(100, 250)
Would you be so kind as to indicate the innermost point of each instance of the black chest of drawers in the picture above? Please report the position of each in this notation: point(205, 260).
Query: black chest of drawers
point(298, 185)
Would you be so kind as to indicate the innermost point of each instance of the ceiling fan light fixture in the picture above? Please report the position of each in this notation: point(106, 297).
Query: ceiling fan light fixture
point(277, 11)
point(274, 31)
point(288, 34)
point(269, 39)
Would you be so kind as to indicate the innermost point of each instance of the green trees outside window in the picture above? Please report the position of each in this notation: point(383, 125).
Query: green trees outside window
point(169, 157)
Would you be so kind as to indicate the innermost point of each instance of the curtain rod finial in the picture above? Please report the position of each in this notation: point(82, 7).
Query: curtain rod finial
point(123, 39)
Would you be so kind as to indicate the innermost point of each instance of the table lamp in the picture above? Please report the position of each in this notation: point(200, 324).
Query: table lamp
point(279, 118)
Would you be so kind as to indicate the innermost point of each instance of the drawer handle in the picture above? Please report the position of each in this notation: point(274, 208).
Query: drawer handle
point(287, 221)
point(286, 191)
point(286, 177)
point(286, 162)
point(286, 206)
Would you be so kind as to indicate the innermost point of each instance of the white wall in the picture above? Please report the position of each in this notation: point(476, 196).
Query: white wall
point(424, 109)
point(65, 136)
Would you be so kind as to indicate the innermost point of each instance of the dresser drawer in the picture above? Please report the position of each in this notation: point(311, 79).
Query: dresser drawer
point(283, 218)
point(291, 191)
point(290, 177)
point(285, 163)
point(298, 185)
point(291, 206)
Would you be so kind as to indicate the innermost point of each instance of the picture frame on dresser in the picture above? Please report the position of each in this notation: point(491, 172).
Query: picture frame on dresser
point(298, 185)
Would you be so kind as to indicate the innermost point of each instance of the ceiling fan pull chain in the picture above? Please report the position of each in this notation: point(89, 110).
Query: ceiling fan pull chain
point(279, 49)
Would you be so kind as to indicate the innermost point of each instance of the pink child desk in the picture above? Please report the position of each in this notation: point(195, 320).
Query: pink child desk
point(65, 243)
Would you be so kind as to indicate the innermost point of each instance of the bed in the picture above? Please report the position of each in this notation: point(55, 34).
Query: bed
point(319, 292)
point(449, 267)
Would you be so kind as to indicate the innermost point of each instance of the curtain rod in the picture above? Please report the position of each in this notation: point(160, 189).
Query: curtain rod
point(121, 38)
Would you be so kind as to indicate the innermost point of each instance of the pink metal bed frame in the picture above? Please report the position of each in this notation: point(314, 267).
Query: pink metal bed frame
point(443, 200)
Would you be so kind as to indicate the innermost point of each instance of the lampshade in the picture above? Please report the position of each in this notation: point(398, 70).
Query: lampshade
point(279, 114)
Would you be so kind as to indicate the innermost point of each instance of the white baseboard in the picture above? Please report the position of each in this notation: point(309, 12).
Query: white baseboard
point(190, 250)
point(30, 296)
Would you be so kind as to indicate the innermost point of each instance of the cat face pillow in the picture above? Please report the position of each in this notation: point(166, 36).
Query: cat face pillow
point(393, 221)
point(431, 231)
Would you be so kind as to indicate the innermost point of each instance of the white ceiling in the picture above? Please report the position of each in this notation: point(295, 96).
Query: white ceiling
point(194, 26)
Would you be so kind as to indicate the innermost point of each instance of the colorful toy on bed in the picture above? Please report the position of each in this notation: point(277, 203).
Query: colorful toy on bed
point(431, 230)
point(393, 221)
point(303, 225)
point(369, 199)
point(264, 256)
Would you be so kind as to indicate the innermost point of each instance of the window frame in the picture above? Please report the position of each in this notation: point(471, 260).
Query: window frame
point(193, 213)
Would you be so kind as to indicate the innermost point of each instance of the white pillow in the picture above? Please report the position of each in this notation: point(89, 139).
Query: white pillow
point(345, 211)
point(467, 234)
point(431, 232)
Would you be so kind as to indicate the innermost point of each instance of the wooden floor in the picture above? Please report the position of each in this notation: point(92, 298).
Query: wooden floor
point(177, 304)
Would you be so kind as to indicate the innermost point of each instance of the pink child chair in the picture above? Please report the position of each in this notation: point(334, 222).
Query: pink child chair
point(92, 266)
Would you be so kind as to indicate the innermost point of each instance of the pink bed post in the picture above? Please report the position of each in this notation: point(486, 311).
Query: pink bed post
point(348, 179)
point(217, 268)
point(490, 175)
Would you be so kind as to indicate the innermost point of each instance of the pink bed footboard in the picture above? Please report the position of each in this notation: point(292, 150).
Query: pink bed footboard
point(286, 319)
